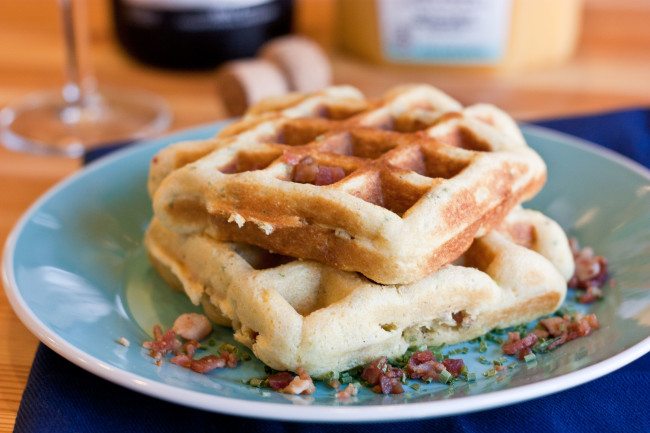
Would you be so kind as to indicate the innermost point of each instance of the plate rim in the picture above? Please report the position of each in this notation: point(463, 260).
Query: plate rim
point(287, 412)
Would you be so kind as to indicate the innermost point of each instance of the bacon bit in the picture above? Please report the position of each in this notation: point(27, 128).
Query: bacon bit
point(281, 380)
point(514, 336)
point(124, 342)
point(183, 360)
point(453, 366)
point(306, 171)
point(555, 325)
point(590, 273)
point(458, 317)
point(163, 343)
point(184, 357)
point(524, 353)
point(388, 385)
point(192, 326)
point(231, 359)
point(578, 326)
point(500, 367)
point(515, 343)
point(301, 384)
point(541, 333)
point(567, 328)
point(291, 158)
point(154, 160)
point(592, 320)
point(592, 294)
point(328, 175)
point(423, 365)
point(309, 171)
point(191, 347)
point(347, 393)
point(207, 363)
point(334, 383)
point(384, 377)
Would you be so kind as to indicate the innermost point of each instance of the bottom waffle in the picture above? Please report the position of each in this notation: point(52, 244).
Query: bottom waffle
point(298, 313)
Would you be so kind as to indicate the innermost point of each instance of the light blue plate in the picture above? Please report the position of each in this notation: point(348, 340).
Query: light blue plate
point(76, 274)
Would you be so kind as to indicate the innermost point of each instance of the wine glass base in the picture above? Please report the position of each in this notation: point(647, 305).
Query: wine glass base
point(44, 123)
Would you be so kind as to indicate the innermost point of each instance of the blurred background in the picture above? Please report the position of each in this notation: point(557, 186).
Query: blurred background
point(535, 59)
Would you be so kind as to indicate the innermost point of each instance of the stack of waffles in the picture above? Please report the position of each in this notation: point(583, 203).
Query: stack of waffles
point(331, 229)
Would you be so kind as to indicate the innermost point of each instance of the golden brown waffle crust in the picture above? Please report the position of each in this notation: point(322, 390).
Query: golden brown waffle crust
point(306, 314)
point(410, 201)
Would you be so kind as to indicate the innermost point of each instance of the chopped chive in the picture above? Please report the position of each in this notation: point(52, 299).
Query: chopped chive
point(520, 328)
point(435, 348)
point(496, 362)
point(513, 365)
point(256, 382)
point(464, 370)
point(543, 346)
point(565, 311)
point(465, 349)
point(483, 360)
point(499, 331)
point(490, 372)
point(327, 378)
point(415, 386)
point(445, 377)
point(346, 379)
point(471, 377)
point(530, 357)
point(491, 337)
point(230, 348)
point(482, 347)
point(428, 380)
point(212, 342)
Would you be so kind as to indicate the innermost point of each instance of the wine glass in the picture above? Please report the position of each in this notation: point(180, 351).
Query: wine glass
point(81, 116)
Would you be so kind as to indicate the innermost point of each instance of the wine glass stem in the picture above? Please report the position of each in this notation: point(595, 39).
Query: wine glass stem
point(80, 80)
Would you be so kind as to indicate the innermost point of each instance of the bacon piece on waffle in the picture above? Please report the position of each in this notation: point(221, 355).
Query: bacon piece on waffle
point(295, 313)
point(406, 184)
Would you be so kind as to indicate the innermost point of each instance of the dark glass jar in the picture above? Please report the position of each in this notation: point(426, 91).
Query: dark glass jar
point(198, 34)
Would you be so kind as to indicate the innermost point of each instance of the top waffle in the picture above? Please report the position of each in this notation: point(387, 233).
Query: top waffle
point(392, 189)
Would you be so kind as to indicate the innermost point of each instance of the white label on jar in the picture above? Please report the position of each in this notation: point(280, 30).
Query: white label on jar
point(452, 32)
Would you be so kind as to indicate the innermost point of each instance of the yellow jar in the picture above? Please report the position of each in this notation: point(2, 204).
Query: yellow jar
point(484, 34)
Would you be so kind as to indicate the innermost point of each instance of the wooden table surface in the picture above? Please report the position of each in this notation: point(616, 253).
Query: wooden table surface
point(611, 69)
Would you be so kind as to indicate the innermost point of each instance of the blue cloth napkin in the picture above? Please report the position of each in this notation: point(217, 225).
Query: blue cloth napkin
point(62, 397)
